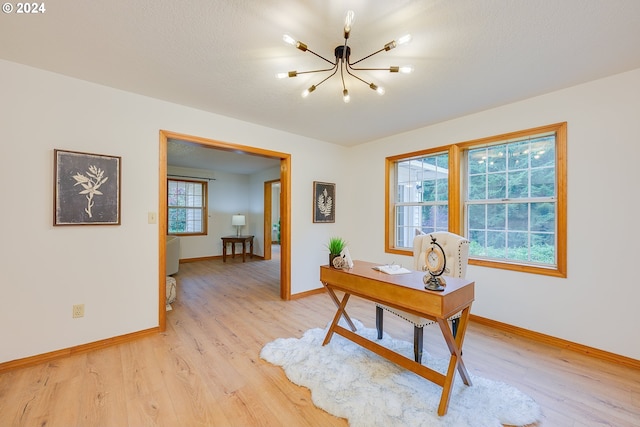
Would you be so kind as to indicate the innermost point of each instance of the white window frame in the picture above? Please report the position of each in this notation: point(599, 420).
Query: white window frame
point(195, 207)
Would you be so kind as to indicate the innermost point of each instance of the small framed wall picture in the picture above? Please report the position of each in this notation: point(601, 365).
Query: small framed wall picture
point(324, 202)
point(87, 189)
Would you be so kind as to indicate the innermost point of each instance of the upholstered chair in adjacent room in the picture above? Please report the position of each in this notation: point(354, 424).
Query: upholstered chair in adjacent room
point(456, 250)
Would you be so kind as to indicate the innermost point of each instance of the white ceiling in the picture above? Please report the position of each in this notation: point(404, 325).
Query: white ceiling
point(221, 55)
point(189, 155)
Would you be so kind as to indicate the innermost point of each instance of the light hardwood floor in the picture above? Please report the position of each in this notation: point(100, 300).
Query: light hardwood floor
point(205, 370)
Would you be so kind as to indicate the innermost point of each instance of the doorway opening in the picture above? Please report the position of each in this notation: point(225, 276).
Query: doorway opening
point(272, 207)
point(284, 209)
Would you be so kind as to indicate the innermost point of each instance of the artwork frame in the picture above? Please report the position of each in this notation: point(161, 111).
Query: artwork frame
point(324, 202)
point(86, 188)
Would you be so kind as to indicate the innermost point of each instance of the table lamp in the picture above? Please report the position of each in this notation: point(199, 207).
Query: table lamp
point(238, 221)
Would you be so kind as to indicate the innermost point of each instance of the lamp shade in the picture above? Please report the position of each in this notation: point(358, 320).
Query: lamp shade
point(237, 220)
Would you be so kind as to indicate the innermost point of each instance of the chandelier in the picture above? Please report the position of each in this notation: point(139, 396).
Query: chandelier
point(343, 62)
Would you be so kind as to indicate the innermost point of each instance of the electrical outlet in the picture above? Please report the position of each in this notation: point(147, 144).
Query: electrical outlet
point(78, 310)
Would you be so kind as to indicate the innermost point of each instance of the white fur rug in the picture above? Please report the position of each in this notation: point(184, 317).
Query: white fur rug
point(351, 382)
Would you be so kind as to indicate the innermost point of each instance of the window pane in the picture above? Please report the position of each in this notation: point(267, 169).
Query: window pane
point(429, 191)
point(476, 163)
point(518, 153)
point(477, 217)
point(543, 153)
point(518, 217)
point(422, 191)
point(543, 182)
point(186, 208)
point(496, 158)
point(518, 184)
point(477, 187)
point(478, 242)
point(497, 217)
point(424, 218)
point(496, 186)
point(543, 217)
point(518, 246)
point(543, 248)
point(496, 244)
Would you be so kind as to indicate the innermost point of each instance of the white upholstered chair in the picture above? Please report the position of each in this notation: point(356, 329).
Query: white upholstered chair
point(456, 250)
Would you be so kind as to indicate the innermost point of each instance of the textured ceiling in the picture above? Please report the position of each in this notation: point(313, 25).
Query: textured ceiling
point(221, 56)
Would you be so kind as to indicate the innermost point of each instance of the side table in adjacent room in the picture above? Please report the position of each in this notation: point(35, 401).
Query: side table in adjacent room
point(237, 239)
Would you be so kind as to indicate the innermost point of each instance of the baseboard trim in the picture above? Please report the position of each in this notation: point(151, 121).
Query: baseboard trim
point(558, 342)
point(83, 348)
point(515, 330)
point(204, 258)
point(209, 258)
point(309, 293)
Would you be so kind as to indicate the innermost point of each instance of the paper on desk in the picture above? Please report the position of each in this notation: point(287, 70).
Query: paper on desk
point(392, 269)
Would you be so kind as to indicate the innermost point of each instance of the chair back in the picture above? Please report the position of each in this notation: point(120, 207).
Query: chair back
point(456, 251)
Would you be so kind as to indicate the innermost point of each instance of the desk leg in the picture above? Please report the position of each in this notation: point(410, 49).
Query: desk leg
point(336, 318)
point(244, 249)
point(336, 301)
point(251, 247)
point(455, 362)
point(224, 251)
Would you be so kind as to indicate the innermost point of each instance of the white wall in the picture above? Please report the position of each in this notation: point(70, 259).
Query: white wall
point(256, 205)
point(596, 305)
point(227, 195)
point(113, 270)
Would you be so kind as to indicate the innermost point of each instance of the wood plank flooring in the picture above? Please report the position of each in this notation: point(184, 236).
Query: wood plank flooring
point(205, 370)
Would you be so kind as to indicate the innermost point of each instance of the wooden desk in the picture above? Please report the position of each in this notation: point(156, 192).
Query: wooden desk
point(406, 292)
point(233, 240)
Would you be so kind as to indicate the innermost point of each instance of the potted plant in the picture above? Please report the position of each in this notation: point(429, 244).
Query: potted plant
point(335, 246)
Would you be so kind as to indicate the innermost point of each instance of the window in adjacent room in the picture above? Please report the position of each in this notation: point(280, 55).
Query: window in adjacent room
point(186, 207)
point(506, 194)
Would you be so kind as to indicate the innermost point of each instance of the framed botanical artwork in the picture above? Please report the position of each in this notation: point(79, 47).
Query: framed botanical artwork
point(324, 202)
point(87, 189)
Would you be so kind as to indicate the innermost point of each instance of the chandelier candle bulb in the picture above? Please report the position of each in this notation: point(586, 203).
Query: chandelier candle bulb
point(287, 74)
point(289, 40)
point(348, 21)
point(404, 39)
point(308, 91)
point(378, 89)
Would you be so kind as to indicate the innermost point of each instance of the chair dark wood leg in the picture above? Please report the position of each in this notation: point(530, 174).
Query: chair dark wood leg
point(379, 315)
point(418, 337)
point(454, 326)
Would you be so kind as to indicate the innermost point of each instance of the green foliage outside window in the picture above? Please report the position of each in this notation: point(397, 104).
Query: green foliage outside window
point(511, 201)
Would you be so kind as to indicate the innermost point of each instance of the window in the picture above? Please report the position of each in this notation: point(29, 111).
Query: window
point(421, 196)
point(187, 207)
point(506, 194)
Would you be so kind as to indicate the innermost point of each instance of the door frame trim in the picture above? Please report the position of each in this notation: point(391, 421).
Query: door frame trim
point(285, 209)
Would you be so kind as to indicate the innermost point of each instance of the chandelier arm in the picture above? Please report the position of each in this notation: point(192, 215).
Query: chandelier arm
point(335, 70)
point(368, 56)
point(316, 71)
point(392, 69)
point(371, 69)
point(362, 80)
point(321, 57)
